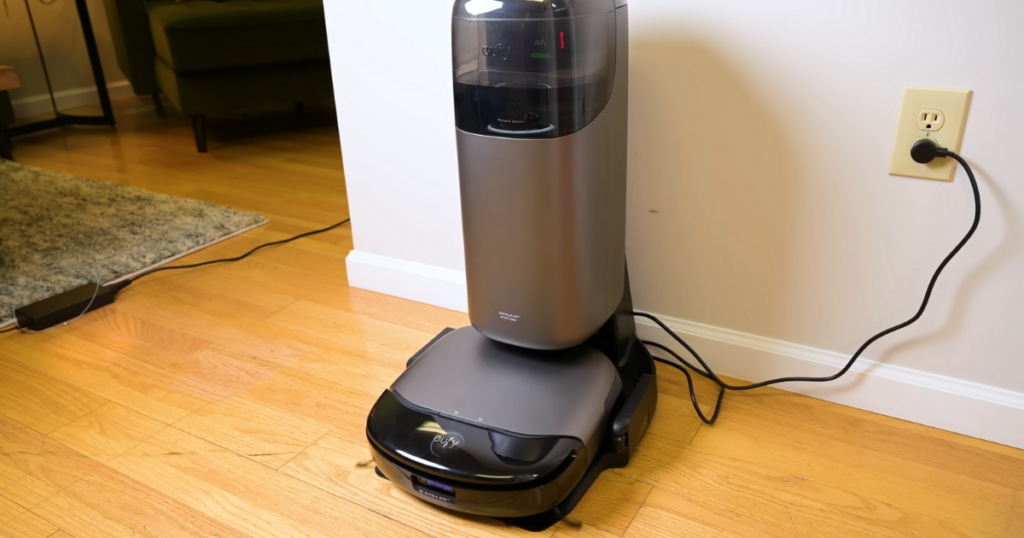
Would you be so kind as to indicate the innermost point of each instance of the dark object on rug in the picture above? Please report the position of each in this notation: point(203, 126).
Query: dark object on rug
point(58, 232)
point(67, 306)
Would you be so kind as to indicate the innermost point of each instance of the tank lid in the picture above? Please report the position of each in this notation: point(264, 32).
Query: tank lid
point(531, 9)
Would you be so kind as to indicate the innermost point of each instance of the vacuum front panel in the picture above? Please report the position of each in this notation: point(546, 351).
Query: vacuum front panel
point(535, 227)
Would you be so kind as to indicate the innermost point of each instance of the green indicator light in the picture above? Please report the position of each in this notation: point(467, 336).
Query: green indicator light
point(541, 55)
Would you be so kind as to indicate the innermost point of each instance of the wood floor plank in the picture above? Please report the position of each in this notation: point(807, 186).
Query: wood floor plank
point(245, 494)
point(248, 429)
point(255, 301)
point(913, 486)
point(151, 343)
point(569, 530)
point(783, 493)
point(920, 473)
point(288, 280)
point(655, 522)
point(27, 525)
point(352, 349)
point(395, 310)
point(1015, 526)
point(297, 209)
point(726, 519)
point(34, 467)
point(38, 400)
point(226, 371)
point(107, 504)
point(674, 419)
point(608, 508)
point(806, 421)
point(194, 315)
point(237, 332)
point(344, 468)
point(84, 520)
point(360, 332)
point(366, 372)
point(918, 433)
point(117, 377)
point(107, 431)
point(341, 408)
point(9, 510)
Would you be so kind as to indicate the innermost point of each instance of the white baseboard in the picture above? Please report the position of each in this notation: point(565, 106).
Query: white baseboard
point(36, 105)
point(956, 405)
point(947, 403)
point(409, 280)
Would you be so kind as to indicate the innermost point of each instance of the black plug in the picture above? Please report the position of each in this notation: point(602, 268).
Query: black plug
point(925, 150)
point(67, 306)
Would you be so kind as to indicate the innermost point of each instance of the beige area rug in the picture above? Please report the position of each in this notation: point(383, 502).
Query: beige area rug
point(58, 231)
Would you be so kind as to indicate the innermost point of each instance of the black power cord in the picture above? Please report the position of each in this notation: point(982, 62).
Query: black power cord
point(235, 259)
point(59, 307)
point(923, 151)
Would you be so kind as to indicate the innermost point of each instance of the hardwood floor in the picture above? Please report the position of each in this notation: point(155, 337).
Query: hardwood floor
point(231, 400)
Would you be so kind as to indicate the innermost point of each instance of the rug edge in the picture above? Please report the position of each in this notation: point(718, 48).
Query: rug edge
point(11, 322)
point(194, 250)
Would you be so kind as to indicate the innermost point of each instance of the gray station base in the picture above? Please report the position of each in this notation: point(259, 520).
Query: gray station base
point(624, 423)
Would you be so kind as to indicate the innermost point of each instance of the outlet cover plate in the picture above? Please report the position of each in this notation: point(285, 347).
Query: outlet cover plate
point(953, 106)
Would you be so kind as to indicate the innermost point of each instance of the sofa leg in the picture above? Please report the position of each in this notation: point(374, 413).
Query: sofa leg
point(199, 127)
point(159, 105)
point(5, 144)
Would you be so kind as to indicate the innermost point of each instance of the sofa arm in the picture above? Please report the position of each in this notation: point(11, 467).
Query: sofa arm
point(133, 42)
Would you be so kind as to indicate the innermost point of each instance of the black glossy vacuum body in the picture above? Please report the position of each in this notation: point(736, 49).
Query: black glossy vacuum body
point(531, 481)
point(516, 416)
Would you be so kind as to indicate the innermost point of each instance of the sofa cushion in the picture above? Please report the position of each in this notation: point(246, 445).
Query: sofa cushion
point(204, 35)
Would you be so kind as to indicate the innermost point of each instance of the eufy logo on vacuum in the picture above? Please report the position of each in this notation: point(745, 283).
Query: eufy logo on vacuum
point(443, 445)
point(498, 52)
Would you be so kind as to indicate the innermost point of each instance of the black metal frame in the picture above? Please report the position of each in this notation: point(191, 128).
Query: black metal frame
point(5, 144)
point(62, 119)
point(199, 129)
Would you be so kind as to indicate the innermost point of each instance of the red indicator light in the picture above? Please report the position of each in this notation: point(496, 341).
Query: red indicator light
point(561, 36)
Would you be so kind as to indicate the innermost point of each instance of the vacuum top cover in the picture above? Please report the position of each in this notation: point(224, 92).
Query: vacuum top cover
point(531, 9)
point(469, 377)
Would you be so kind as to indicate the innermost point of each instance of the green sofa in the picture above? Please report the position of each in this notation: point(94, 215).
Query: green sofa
point(210, 57)
point(6, 118)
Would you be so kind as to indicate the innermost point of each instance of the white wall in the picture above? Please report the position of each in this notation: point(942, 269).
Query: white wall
point(60, 34)
point(391, 64)
point(762, 221)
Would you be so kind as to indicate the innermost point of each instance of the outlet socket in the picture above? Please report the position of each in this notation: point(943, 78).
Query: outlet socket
point(935, 113)
point(931, 120)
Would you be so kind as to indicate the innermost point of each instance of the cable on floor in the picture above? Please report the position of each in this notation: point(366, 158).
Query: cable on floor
point(237, 258)
point(683, 365)
point(119, 285)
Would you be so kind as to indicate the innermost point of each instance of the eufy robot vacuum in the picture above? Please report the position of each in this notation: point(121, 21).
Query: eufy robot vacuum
point(516, 416)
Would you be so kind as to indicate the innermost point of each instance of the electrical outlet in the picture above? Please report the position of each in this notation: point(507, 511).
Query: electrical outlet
point(935, 113)
point(930, 120)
